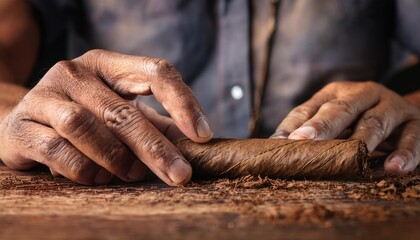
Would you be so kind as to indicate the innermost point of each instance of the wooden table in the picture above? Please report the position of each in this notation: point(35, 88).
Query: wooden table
point(34, 205)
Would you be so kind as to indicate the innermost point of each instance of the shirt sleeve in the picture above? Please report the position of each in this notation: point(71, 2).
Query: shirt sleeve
point(407, 20)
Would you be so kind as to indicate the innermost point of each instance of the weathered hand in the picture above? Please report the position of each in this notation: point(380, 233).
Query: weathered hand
point(78, 122)
point(366, 111)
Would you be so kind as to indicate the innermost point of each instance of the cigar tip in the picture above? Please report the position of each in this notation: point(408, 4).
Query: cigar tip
point(362, 159)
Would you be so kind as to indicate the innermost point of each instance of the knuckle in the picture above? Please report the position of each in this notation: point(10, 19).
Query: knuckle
point(302, 113)
point(17, 125)
point(322, 127)
point(372, 84)
point(159, 66)
point(51, 146)
point(116, 156)
point(55, 73)
point(374, 88)
point(162, 65)
point(77, 169)
point(341, 106)
point(115, 152)
point(76, 121)
point(345, 105)
point(375, 125)
point(18, 131)
point(122, 116)
point(157, 150)
point(92, 54)
point(90, 60)
point(333, 85)
point(68, 71)
point(72, 164)
point(63, 66)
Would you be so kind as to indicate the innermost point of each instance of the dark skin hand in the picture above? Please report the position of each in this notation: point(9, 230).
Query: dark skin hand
point(77, 121)
point(82, 119)
point(366, 111)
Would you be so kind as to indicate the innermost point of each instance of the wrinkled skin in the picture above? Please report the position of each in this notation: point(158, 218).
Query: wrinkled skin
point(367, 111)
point(78, 121)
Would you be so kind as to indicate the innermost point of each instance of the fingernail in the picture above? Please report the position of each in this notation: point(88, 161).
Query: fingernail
point(398, 161)
point(279, 135)
point(180, 172)
point(305, 132)
point(136, 172)
point(103, 177)
point(203, 128)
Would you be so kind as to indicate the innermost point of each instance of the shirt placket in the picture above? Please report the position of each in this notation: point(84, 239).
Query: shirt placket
point(233, 67)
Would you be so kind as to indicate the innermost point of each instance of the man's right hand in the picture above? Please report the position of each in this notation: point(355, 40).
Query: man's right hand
point(78, 122)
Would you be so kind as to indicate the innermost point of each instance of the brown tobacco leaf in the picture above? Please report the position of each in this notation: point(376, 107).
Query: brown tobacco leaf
point(277, 158)
point(381, 183)
point(397, 187)
point(412, 192)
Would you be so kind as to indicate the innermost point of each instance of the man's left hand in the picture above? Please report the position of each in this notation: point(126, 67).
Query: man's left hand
point(367, 111)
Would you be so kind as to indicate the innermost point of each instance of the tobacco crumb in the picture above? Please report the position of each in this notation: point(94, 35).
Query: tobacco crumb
point(266, 200)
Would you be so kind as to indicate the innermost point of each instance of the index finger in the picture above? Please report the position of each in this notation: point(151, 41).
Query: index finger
point(125, 121)
point(128, 75)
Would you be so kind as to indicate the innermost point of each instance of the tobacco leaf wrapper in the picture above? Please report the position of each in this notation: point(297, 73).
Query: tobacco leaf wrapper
point(277, 158)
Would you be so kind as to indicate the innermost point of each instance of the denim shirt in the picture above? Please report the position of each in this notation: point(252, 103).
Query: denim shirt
point(209, 41)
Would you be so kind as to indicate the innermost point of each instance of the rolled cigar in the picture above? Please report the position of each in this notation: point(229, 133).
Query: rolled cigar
point(277, 158)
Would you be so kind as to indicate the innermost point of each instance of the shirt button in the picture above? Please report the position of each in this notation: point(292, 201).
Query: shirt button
point(236, 92)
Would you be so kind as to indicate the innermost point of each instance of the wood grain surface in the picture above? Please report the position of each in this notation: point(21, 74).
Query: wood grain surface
point(35, 205)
